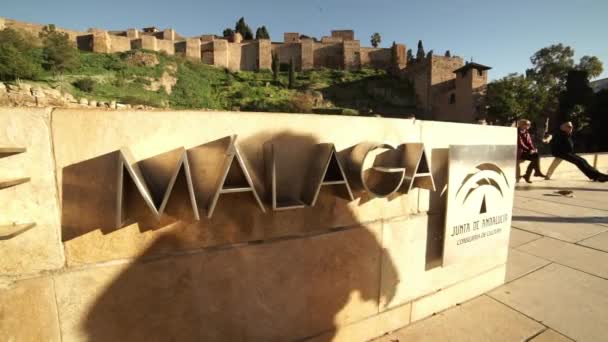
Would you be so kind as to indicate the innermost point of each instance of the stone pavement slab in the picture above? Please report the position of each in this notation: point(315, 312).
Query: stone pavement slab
point(481, 319)
point(521, 263)
point(589, 215)
point(520, 237)
point(571, 302)
point(571, 255)
point(570, 229)
point(28, 311)
point(550, 336)
point(599, 241)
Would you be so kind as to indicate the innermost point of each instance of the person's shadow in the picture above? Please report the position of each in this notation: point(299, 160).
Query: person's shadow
point(307, 272)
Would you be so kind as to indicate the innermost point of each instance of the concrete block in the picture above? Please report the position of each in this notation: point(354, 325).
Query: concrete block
point(272, 291)
point(412, 272)
point(38, 249)
point(89, 242)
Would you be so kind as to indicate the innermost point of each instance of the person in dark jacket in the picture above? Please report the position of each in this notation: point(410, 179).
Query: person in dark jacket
point(562, 147)
point(527, 151)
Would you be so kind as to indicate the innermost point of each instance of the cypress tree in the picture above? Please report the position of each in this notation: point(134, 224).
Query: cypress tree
point(275, 67)
point(420, 53)
point(292, 73)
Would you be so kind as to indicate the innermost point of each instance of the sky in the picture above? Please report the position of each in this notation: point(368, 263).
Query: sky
point(500, 34)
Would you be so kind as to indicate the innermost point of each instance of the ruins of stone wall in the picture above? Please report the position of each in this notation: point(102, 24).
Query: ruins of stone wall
point(369, 266)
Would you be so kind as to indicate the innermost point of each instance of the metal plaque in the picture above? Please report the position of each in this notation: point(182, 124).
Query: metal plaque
point(479, 201)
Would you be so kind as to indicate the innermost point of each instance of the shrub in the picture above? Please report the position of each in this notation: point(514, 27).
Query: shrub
point(85, 84)
point(19, 58)
point(301, 103)
point(59, 53)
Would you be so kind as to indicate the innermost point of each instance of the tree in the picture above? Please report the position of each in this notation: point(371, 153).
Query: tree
point(429, 55)
point(262, 33)
point(275, 67)
point(292, 73)
point(410, 56)
point(228, 32)
point(592, 65)
point(420, 53)
point(516, 96)
point(550, 65)
point(375, 39)
point(59, 53)
point(244, 29)
point(19, 58)
point(448, 53)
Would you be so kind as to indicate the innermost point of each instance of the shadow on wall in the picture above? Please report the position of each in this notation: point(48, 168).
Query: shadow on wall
point(274, 276)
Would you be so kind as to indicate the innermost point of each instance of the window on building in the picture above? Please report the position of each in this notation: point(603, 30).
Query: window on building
point(452, 98)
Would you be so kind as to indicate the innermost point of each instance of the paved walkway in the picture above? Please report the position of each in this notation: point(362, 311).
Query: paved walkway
point(557, 274)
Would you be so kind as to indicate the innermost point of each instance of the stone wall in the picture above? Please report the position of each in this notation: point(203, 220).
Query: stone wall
point(328, 55)
point(342, 270)
point(119, 44)
point(351, 54)
point(168, 46)
point(35, 29)
point(287, 52)
point(376, 57)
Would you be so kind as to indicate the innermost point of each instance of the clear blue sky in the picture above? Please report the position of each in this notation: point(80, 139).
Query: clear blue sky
point(501, 34)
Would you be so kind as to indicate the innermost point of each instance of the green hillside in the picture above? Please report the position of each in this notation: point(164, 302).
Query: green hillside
point(155, 79)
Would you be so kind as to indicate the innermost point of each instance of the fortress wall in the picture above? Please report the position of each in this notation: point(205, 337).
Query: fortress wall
point(249, 56)
point(221, 53)
point(286, 52)
point(119, 44)
point(264, 54)
point(308, 48)
point(234, 56)
point(207, 52)
point(341, 270)
point(35, 29)
point(328, 55)
point(376, 57)
point(351, 54)
point(167, 46)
